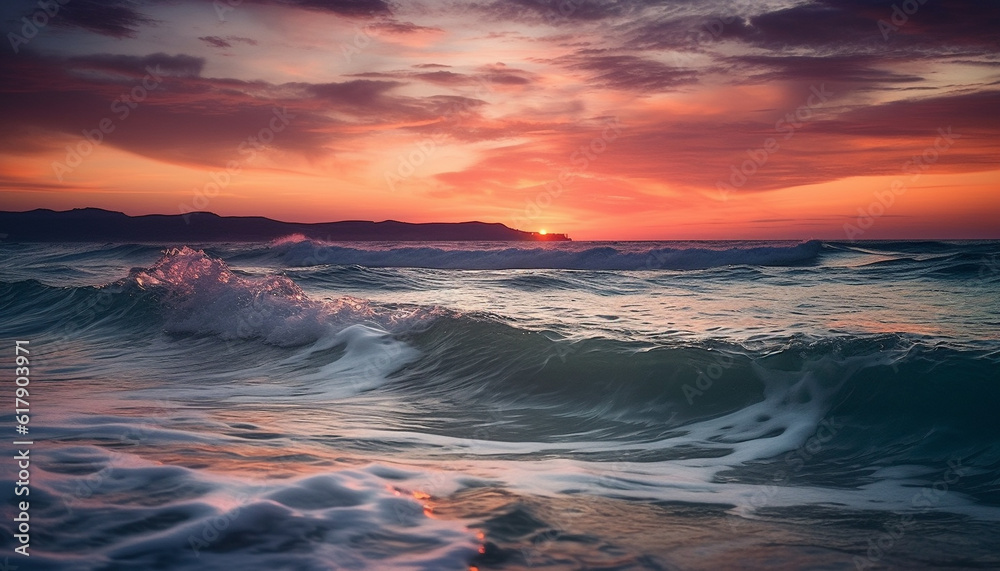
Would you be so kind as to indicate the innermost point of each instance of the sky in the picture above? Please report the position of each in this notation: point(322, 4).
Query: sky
point(606, 120)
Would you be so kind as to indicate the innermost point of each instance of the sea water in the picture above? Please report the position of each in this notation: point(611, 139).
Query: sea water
point(436, 406)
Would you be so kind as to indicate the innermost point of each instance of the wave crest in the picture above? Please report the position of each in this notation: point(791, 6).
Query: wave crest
point(202, 295)
point(311, 253)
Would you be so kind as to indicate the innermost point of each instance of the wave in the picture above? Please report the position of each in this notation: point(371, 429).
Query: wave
point(116, 510)
point(697, 398)
point(502, 366)
point(304, 253)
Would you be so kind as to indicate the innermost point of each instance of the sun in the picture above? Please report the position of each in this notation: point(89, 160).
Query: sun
point(542, 232)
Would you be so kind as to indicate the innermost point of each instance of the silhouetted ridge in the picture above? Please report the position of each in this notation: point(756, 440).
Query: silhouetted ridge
point(98, 225)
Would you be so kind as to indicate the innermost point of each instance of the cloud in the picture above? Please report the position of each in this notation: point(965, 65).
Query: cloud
point(369, 8)
point(115, 18)
point(628, 72)
point(137, 66)
point(487, 76)
point(402, 28)
point(853, 26)
point(444, 77)
point(697, 85)
point(226, 42)
point(358, 92)
point(559, 12)
point(865, 69)
point(190, 119)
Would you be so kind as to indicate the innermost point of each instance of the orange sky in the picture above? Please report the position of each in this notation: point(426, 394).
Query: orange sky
point(610, 120)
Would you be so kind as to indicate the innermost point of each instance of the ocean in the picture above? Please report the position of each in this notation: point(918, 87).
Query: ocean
point(453, 406)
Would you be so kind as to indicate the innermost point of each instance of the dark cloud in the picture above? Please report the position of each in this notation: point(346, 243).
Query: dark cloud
point(870, 140)
point(190, 119)
point(401, 28)
point(628, 72)
point(504, 75)
point(215, 41)
point(854, 69)
point(973, 114)
point(136, 66)
point(226, 42)
point(444, 77)
point(199, 120)
point(854, 26)
point(558, 12)
point(490, 77)
point(485, 76)
point(819, 28)
point(816, 25)
point(509, 79)
point(181, 118)
point(684, 32)
point(115, 18)
point(343, 7)
point(357, 92)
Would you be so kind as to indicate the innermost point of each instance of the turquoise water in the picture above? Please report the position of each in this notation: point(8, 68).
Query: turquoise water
point(702, 405)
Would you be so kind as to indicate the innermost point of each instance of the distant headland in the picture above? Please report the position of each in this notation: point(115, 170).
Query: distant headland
point(98, 225)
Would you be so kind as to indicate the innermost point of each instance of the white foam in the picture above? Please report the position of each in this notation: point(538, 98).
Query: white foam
point(359, 518)
point(201, 295)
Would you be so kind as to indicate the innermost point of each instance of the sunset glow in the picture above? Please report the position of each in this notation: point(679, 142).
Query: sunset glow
point(618, 120)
